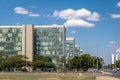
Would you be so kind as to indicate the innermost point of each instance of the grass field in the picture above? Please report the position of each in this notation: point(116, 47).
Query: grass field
point(43, 76)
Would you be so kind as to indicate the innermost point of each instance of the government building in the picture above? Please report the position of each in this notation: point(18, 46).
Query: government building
point(32, 41)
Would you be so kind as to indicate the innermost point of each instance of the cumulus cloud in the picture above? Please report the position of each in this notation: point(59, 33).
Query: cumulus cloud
point(115, 16)
point(78, 23)
point(64, 14)
point(73, 32)
point(77, 18)
point(94, 17)
point(77, 14)
point(118, 4)
point(23, 11)
point(20, 10)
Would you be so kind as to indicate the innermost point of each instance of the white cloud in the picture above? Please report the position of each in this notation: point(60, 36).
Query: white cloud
point(34, 15)
point(77, 14)
point(118, 4)
point(94, 17)
point(78, 23)
point(20, 10)
point(73, 32)
point(82, 13)
point(118, 50)
point(112, 43)
point(77, 18)
point(115, 16)
point(54, 25)
point(23, 11)
point(64, 14)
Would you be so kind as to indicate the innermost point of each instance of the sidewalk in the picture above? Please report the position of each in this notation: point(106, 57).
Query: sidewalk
point(106, 78)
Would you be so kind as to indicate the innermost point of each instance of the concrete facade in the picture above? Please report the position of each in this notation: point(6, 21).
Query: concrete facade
point(28, 41)
point(77, 50)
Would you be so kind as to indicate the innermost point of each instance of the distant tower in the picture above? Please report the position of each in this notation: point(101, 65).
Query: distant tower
point(116, 57)
point(113, 58)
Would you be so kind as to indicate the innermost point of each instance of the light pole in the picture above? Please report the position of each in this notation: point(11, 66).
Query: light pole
point(96, 58)
point(115, 56)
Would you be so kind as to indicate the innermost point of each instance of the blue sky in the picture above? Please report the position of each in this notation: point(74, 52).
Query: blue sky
point(95, 24)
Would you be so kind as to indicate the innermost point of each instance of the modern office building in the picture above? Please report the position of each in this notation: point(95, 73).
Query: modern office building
point(50, 41)
point(70, 48)
point(11, 40)
point(32, 41)
point(77, 50)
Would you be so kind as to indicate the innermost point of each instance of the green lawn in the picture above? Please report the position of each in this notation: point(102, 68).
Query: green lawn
point(42, 76)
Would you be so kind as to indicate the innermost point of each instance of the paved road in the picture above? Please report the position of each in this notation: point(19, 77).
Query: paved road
point(106, 78)
point(98, 74)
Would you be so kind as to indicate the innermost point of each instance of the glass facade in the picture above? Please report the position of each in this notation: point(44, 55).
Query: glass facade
point(49, 41)
point(70, 48)
point(11, 41)
point(77, 50)
point(45, 41)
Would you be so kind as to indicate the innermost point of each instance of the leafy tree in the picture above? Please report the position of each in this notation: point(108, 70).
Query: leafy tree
point(74, 63)
point(39, 58)
point(17, 61)
point(49, 65)
point(97, 62)
point(83, 62)
point(42, 58)
point(118, 63)
point(43, 63)
point(3, 57)
point(86, 61)
point(38, 64)
point(109, 66)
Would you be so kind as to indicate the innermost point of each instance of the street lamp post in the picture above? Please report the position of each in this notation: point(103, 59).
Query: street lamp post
point(93, 68)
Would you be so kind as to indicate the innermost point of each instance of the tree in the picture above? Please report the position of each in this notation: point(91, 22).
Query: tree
point(86, 61)
point(118, 63)
point(43, 63)
point(74, 63)
point(43, 58)
point(109, 66)
point(83, 62)
point(2, 59)
point(63, 62)
point(14, 62)
point(97, 62)
point(38, 64)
